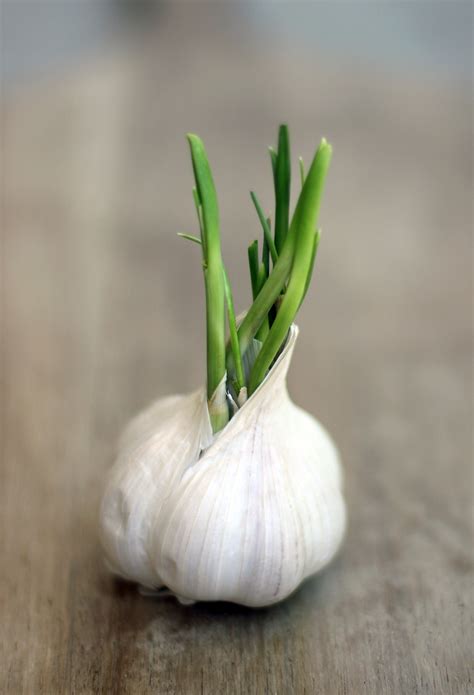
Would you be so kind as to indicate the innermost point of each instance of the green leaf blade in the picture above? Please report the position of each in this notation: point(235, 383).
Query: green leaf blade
point(213, 274)
point(282, 187)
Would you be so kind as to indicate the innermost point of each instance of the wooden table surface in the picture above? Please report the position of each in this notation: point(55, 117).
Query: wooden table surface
point(103, 312)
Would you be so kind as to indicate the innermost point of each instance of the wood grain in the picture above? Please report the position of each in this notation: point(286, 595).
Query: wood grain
point(102, 307)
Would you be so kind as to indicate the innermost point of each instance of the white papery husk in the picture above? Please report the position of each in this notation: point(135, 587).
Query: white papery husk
point(244, 516)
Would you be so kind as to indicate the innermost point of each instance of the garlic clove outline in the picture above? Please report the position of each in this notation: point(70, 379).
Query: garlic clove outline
point(155, 449)
point(260, 511)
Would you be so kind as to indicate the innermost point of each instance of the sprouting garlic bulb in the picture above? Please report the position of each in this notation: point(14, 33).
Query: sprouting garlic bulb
point(244, 516)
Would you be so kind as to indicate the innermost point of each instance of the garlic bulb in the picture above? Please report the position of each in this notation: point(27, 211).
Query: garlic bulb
point(243, 516)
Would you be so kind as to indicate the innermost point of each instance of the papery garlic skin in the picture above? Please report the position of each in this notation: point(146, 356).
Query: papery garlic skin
point(259, 511)
point(154, 452)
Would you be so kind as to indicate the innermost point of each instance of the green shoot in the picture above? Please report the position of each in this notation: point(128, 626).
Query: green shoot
point(190, 237)
point(273, 159)
point(266, 228)
point(239, 381)
point(258, 277)
point(317, 237)
point(266, 253)
point(301, 167)
point(262, 332)
point(303, 225)
point(282, 187)
point(253, 267)
point(214, 281)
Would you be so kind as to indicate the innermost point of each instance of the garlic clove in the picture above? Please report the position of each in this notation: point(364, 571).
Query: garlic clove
point(260, 511)
point(155, 449)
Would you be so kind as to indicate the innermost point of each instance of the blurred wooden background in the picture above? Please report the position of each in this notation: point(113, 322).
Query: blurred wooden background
point(102, 312)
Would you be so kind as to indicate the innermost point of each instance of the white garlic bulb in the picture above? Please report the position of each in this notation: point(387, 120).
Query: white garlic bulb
point(244, 516)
